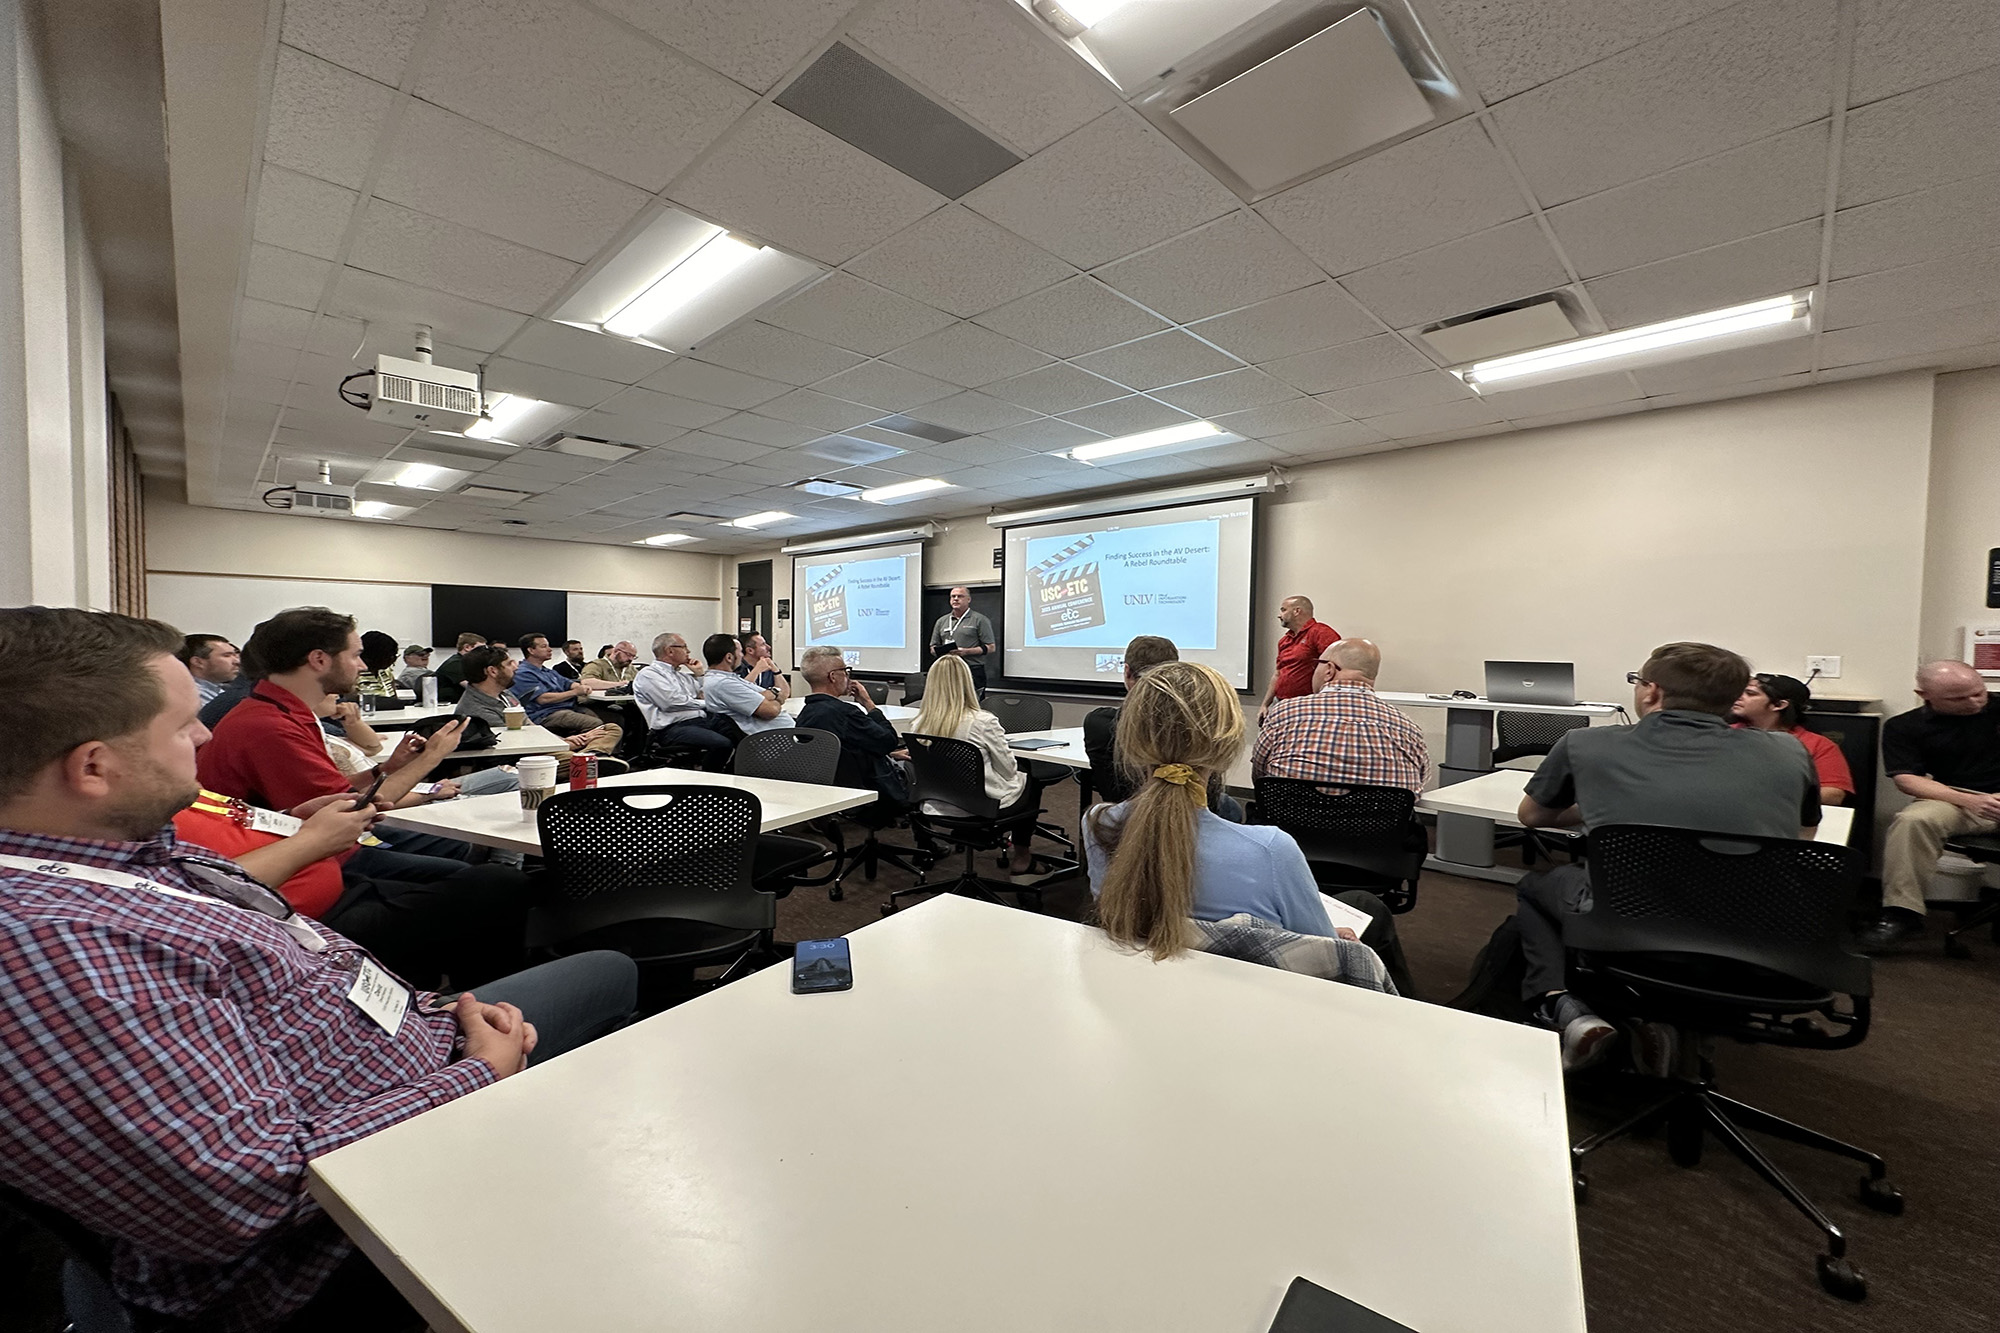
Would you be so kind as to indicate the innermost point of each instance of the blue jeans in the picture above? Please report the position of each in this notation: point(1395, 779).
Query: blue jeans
point(571, 1001)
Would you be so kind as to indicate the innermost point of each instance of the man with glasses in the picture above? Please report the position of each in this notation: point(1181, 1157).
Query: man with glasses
point(669, 693)
point(841, 704)
point(1681, 765)
point(1341, 732)
point(176, 1043)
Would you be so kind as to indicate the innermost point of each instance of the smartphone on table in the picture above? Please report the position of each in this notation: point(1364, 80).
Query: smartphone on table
point(821, 965)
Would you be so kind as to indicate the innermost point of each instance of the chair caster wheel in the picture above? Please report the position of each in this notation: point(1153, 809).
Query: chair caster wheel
point(835, 894)
point(888, 909)
point(1882, 1196)
point(1842, 1279)
point(1581, 1187)
point(1956, 948)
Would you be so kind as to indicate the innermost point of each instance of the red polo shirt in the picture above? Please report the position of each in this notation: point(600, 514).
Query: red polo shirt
point(1298, 654)
point(310, 892)
point(1828, 761)
point(270, 751)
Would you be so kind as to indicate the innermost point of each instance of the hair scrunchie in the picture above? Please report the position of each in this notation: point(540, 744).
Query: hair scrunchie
point(1178, 774)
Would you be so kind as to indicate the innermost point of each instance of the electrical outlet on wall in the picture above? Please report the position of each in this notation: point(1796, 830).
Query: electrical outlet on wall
point(1827, 667)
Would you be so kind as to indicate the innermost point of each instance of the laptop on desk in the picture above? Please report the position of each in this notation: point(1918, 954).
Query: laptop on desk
point(1548, 683)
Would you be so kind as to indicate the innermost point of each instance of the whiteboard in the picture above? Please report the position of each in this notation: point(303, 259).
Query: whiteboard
point(598, 618)
point(232, 606)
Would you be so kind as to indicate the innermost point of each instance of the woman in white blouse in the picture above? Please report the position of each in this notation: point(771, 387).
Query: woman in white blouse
point(951, 708)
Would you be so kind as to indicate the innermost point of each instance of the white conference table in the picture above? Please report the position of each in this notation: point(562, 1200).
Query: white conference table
point(498, 820)
point(1071, 754)
point(1001, 1127)
point(1496, 796)
point(396, 719)
point(895, 714)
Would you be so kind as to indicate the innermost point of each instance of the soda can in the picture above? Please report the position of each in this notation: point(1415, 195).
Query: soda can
point(582, 771)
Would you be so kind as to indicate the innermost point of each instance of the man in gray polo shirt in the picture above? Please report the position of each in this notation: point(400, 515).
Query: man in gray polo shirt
point(1681, 766)
point(968, 633)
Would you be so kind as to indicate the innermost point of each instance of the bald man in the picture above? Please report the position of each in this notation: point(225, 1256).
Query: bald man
point(1298, 652)
point(1945, 756)
point(967, 633)
point(1341, 732)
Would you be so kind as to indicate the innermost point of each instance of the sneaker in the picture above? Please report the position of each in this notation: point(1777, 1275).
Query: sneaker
point(1655, 1049)
point(1894, 928)
point(1586, 1039)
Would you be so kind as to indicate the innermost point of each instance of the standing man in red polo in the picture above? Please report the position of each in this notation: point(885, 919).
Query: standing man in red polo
point(1298, 652)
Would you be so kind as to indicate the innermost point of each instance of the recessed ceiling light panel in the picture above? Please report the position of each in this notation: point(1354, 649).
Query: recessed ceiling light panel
point(824, 486)
point(763, 520)
point(415, 476)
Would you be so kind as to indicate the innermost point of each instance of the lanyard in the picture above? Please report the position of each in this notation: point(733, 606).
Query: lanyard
point(951, 625)
point(294, 924)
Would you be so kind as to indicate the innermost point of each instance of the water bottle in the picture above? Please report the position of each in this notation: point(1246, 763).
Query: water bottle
point(367, 704)
point(430, 691)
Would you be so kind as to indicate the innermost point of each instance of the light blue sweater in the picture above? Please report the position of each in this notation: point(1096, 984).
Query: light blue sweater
point(1252, 868)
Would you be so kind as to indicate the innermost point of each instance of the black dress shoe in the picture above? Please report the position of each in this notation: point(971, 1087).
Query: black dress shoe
point(1889, 931)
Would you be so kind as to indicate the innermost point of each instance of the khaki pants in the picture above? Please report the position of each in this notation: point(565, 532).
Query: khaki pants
point(574, 721)
point(1910, 853)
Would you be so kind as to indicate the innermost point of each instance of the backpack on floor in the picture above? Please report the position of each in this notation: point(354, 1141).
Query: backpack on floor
point(1495, 987)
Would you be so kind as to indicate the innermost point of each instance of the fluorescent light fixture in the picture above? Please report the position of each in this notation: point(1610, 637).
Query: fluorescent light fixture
point(513, 419)
point(1090, 13)
point(920, 532)
point(680, 280)
point(905, 490)
point(415, 476)
point(1671, 340)
point(764, 519)
point(1192, 434)
point(1262, 483)
point(381, 509)
point(664, 539)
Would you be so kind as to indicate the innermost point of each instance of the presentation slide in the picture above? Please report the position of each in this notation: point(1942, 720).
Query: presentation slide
point(1079, 591)
point(866, 602)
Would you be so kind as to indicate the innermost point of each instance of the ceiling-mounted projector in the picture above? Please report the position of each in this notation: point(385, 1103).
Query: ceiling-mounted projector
point(423, 396)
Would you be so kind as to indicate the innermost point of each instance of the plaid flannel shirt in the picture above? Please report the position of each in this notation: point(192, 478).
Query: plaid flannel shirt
point(168, 1067)
point(1342, 734)
point(1252, 940)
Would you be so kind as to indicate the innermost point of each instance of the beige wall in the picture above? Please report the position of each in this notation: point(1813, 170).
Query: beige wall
point(1964, 509)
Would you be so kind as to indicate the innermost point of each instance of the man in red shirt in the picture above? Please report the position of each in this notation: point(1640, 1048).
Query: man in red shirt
point(1298, 652)
point(423, 914)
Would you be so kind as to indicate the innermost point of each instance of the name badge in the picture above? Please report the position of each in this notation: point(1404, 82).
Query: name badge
point(380, 996)
point(274, 822)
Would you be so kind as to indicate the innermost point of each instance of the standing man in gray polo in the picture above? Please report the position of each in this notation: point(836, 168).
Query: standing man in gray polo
point(967, 633)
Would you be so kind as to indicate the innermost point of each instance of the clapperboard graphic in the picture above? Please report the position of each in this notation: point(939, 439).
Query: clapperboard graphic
point(827, 604)
point(1067, 594)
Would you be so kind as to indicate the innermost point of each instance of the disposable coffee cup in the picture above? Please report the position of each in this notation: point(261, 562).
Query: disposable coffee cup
point(516, 718)
point(538, 778)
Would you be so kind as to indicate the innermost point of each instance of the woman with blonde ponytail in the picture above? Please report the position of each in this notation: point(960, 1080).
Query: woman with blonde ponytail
point(1162, 856)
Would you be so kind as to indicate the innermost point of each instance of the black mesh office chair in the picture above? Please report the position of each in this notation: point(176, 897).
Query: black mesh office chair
point(1729, 936)
point(1354, 836)
point(663, 874)
point(953, 772)
point(1026, 712)
point(88, 1300)
point(1518, 735)
point(1985, 849)
point(793, 754)
point(913, 687)
point(878, 690)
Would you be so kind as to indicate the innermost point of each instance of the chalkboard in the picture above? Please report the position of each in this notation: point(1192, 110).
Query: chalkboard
point(989, 601)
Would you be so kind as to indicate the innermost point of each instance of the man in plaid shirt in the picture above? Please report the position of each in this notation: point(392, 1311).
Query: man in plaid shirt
point(175, 1043)
point(1341, 732)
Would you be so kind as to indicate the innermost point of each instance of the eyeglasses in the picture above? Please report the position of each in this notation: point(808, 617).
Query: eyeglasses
point(1634, 678)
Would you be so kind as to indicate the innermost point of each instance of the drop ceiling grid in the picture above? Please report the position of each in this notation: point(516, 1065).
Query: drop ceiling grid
point(1266, 253)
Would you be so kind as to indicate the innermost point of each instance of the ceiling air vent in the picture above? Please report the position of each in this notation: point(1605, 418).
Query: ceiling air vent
point(1513, 328)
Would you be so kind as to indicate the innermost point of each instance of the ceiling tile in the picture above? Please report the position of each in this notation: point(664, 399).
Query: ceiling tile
point(973, 412)
point(566, 348)
point(323, 120)
point(418, 248)
point(576, 83)
point(1450, 182)
point(1779, 261)
point(1225, 265)
point(754, 42)
point(958, 261)
point(1563, 396)
point(1112, 187)
point(1923, 138)
point(847, 312)
point(1459, 277)
point(989, 62)
point(1940, 284)
point(767, 431)
point(663, 407)
point(1748, 190)
point(370, 37)
point(1452, 416)
point(1050, 433)
point(1513, 45)
point(1126, 416)
point(1725, 80)
point(1071, 318)
point(453, 319)
point(1903, 44)
point(1057, 388)
point(1912, 336)
point(967, 355)
point(1737, 367)
point(550, 385)
point(1301, 321)
point(719, 448)
point(796, 186)
point(1161, 358)
point(286, 277)
point(458, 169)
point(776, 354)
point(816, 409)
point(302, 213)
point(1911, 228)
point(1326, 441)
point(881, 385)
point(1399, 395)
point(713, 384)
point(279, 325)
point(1279, 418)
point(1228, 393)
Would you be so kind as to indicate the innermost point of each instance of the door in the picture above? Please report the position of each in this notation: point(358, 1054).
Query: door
point(753, 598)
